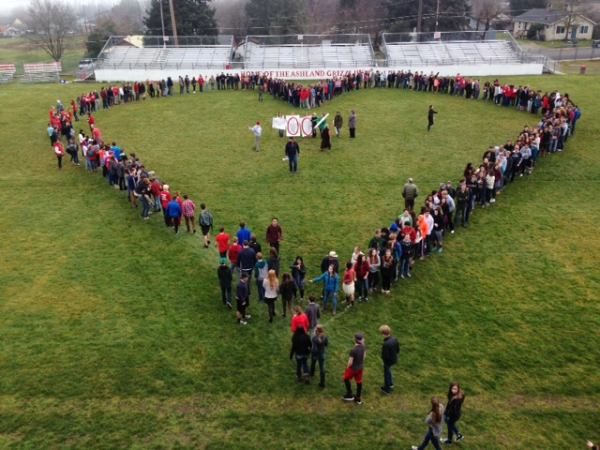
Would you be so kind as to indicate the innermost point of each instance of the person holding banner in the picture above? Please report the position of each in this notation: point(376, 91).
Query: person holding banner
point(257, 130)
point(292, 150)
point(325, 138)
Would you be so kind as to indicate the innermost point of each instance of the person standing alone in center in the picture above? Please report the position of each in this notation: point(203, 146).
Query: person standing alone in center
point(430, 117)
point(292, 150)
point(257, 130)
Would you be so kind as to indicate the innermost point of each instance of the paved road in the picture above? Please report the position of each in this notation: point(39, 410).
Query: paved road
point(565, 54)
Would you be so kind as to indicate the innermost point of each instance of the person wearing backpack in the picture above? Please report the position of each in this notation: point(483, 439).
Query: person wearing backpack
point(206, 224)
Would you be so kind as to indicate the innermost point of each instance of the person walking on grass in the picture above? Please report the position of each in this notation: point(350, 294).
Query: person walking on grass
point(173, 213)
point(225, 280)
point(430, 117)
point(389, 354)
point(299, 276)
point(319, 342)
point(274, 234)
point(59, 152)
point(206, 224)
point(288, 292)
point(242, 297)
point(348, 286)
point(257, 130)
point(456, 398)
point(292, 150)
point(434, 421)
point(331, 284)
point(299, 320)
point(313, 312)
point(223, 242)
point(410, 192)
point(189, 213)
point(338, 123)
point(301, 346)
point(354, 369)
point(271, 289)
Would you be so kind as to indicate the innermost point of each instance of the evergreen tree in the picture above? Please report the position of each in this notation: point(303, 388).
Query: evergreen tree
point(193, 18)
point(274, 17)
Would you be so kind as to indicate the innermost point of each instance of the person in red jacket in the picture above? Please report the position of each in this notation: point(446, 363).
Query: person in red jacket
point(274, 234)
point(300, 319)
point(59, 152)
point(165, 198)
point(233, 253)
point(223, 242)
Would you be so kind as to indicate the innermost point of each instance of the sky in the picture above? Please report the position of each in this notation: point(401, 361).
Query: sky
point(8, 6)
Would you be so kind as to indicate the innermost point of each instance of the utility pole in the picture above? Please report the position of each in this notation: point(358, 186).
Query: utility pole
point(162, 23)
point(437, 14)
point(173, 24)
point(419, 20)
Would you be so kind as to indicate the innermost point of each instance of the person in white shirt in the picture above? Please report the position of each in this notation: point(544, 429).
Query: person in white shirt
point(257, 130)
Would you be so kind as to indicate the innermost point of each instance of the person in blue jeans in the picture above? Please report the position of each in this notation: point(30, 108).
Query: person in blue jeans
point(331, 280)
point(292, 150)
point(456, 398)
point(434, 421)
point(389, 354)
point(319, 342)
point(301, 346)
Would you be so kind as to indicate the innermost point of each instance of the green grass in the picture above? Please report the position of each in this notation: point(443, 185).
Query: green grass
point(112, 329)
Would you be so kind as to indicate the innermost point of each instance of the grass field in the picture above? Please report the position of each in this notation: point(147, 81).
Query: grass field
point(114, 335)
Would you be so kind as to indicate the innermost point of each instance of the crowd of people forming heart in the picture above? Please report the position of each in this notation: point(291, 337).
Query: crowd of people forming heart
point(371, 271)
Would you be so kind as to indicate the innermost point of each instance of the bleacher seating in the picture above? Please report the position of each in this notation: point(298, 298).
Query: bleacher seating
point(197, 58)
point(308, 56)
point(451, 52)
point(41, 73)
point(7, 72)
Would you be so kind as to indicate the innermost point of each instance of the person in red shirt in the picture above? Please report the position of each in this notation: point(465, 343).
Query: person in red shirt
point(97, 134)
point(299, 319)
point(155, 189)
point(348, 280)
point(233, 253)
point(59, 152)
point(165, 198)
point(223, 242)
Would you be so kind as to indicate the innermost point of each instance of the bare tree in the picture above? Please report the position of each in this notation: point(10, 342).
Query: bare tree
point(231, 17)
point(485, 11)
point(50, 21)
point(322, 16)
point(574, 10)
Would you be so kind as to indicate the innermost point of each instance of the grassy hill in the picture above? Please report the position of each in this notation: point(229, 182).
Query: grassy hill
point(114, 335)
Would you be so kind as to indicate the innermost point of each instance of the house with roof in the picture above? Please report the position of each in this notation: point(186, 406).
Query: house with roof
point(557, 25)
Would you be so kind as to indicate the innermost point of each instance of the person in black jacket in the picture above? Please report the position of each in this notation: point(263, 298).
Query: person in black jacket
point(301, 346)
point(225, 279)
point(389, 354)
point(456, 397)
point(430, 117)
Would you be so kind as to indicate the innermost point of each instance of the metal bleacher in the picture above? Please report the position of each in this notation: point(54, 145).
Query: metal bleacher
point(447, 53)
point(122, 55)
point(308, 52)
point(450, 48)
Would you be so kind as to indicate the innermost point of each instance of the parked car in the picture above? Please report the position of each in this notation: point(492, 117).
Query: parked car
point(86, 64)
point(596, 43)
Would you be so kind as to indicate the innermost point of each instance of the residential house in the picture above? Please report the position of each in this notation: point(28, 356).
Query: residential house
point(557, 25)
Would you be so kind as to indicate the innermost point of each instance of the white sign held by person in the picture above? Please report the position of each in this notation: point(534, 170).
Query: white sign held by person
point(293, 126)
point(307, 127)
point(279, 123)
